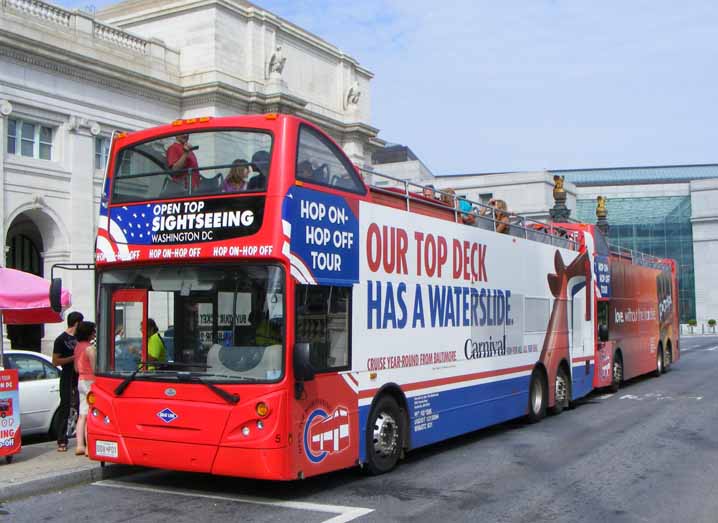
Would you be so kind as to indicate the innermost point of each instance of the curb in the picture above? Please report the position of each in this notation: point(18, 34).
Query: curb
point(57, 481)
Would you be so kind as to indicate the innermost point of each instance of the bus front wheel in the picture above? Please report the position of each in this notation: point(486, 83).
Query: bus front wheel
point(384, 436)
point(538, 397)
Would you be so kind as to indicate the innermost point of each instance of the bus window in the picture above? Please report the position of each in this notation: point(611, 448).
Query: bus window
point(602, 317)
point(191, 308)
point(199, 163)
point(323, 321)
point(319, 162)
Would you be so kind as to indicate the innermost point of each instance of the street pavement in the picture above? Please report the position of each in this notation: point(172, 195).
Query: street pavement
point(646, 453)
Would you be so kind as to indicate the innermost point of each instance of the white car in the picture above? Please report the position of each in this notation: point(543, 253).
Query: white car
point(39, 390)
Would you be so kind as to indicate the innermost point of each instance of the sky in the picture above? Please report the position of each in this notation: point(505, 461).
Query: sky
point(494, 86)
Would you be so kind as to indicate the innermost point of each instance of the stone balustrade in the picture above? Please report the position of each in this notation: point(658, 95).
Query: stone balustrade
point(120, 38)
point(41, 10)
point(83, 23)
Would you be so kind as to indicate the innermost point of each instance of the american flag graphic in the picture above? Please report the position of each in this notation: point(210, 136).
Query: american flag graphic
point(127, 225)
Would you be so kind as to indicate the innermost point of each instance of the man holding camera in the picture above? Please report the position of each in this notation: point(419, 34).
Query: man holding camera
point(181, 159)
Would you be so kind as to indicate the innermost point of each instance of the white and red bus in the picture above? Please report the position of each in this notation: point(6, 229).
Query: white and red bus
point(264, 313)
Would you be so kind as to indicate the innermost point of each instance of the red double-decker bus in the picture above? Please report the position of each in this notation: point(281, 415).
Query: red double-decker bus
point(263, 312)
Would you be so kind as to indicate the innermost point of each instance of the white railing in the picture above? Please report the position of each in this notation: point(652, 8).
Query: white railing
point(81, 22)
point(48, 12)
point(640, 258)
point(120, 38)
point(482, 215)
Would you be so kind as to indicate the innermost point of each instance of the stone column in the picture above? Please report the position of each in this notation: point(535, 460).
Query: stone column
point(5, 111)
point(81, 150)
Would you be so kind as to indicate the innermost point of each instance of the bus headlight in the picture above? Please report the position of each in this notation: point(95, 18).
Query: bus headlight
point(245, 431)
point(260, 425)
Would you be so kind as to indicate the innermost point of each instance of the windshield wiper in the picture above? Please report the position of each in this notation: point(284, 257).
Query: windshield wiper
point(125, 383)
point(193, 378)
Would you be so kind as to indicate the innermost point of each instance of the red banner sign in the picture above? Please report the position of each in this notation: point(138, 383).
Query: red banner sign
point(9, 413)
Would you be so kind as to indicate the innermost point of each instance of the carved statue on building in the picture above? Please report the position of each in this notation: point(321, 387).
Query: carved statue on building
point(353, 94)
point(275, 66)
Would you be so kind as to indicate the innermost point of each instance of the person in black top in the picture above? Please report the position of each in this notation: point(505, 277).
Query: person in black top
point(260, 161)
point(63, 354)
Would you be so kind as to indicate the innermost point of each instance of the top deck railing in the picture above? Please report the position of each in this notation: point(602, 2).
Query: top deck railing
point(483, 216)
point(639, 258)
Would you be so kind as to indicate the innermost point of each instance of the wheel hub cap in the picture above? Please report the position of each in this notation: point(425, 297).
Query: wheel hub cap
point(386, 435)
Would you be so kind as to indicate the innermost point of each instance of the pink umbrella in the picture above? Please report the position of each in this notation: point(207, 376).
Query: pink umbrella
point(25, 298)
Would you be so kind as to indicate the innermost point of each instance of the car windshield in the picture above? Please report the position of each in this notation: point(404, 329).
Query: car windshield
point(199, 163)
point(219, 324)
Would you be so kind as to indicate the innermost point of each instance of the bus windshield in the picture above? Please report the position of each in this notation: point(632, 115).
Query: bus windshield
point(220, 323)
point(198, 163)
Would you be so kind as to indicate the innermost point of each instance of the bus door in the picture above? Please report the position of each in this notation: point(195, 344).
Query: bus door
point(129, 327)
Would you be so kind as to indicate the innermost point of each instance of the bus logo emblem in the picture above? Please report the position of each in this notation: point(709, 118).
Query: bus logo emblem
point(170, 392)
point(326, 434)
point(167, 415)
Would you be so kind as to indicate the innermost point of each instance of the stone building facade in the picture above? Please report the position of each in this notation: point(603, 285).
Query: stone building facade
point(69, 79)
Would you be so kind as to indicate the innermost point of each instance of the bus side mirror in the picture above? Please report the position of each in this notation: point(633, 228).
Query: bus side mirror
point(602, 332)
point(303, 369)
point(56, 295)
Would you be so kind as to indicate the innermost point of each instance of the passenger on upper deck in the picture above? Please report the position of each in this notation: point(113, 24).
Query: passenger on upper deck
point(500, 215)
point(260, 160)
point(181, 159)
point(305, 171)
point(428, 192)
point(236, 180)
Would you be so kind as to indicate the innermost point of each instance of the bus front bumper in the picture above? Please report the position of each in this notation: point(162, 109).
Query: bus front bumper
point(211, 459)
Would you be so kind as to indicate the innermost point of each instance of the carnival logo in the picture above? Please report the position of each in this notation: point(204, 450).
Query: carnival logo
point(326, 434)
point(167, 415)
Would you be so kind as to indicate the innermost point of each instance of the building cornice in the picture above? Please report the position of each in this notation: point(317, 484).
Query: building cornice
point(123, 15)
point(97, 73)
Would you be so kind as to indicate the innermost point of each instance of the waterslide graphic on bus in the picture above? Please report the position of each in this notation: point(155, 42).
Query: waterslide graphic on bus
point(458, 315)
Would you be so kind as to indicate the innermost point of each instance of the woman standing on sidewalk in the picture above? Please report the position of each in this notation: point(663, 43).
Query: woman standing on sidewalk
point(85, 356)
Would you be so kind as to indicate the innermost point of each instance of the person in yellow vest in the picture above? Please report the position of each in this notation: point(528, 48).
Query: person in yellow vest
point(156, 350)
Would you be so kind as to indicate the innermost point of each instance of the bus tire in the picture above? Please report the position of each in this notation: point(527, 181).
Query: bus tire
point(562, 391)
point(384, 436)
point(659, 361)
point(538, 397)
point(668, 357)
point(617, 374)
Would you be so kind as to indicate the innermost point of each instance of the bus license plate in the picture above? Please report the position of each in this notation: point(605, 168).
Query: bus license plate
point(106, 449)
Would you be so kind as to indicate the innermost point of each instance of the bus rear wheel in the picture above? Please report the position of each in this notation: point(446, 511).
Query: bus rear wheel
point(667, 357)
point(617, 377)
point(384, 436)
point(562, 392)
point(659, 362)
point(538, 397)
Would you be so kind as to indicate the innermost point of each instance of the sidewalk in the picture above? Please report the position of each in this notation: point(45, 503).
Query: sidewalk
point(40, 467)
